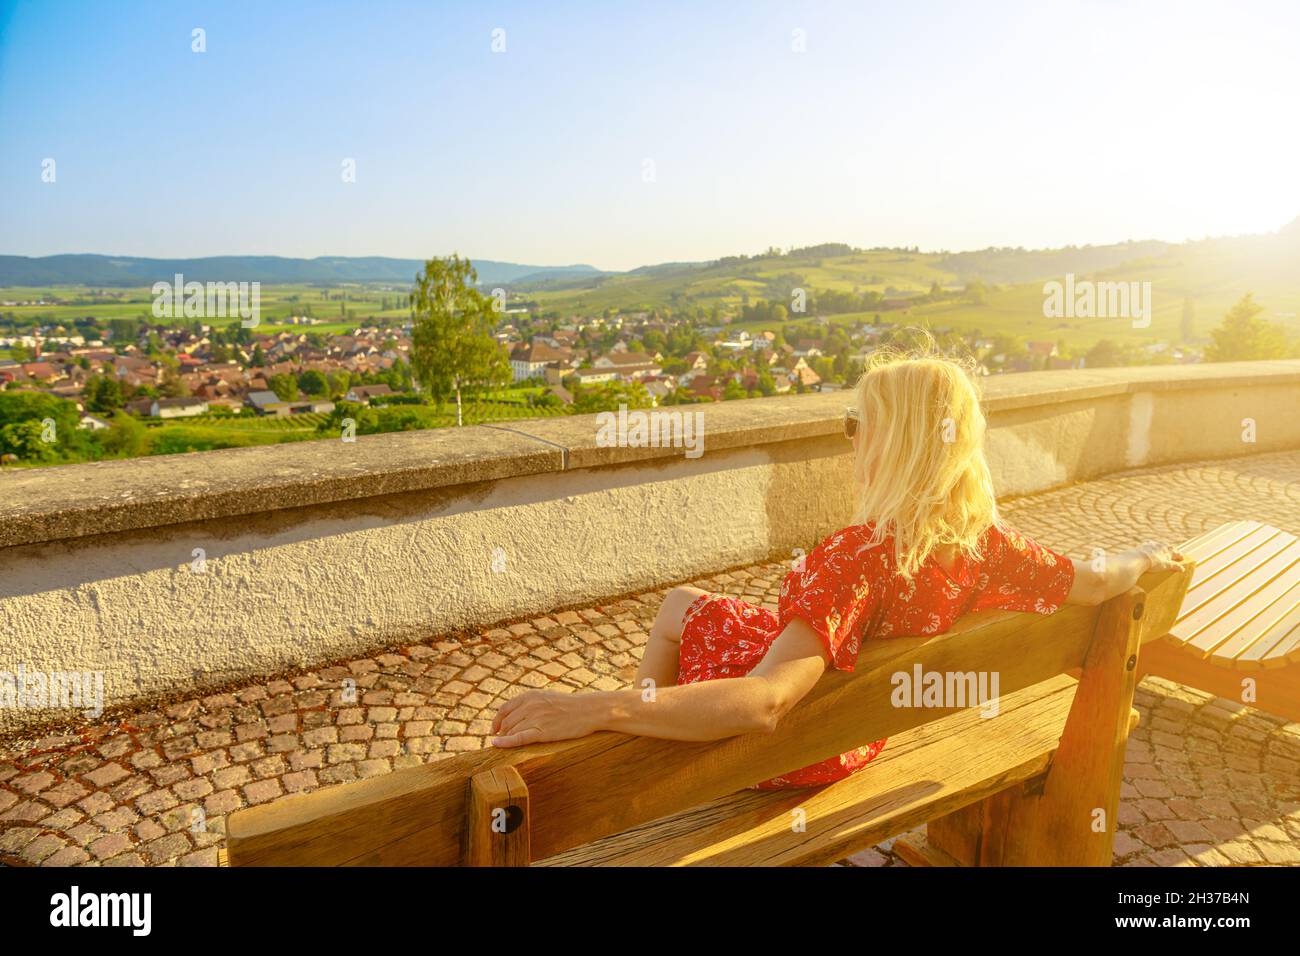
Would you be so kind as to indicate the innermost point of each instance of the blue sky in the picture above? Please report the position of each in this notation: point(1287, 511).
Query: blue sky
point(946, 125)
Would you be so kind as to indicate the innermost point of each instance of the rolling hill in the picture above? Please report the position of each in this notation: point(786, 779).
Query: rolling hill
point(131, 271)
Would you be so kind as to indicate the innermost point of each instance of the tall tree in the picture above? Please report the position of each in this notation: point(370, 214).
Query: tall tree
point(452, 348)
point(1189, 319)
point(1244, 336)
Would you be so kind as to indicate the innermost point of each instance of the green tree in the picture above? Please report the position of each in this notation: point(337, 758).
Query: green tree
point(452, 348)
point(126, 437)
point(103, 394)
point(312, 382)
point(1189, 319)
point(27, 441)
point(284, 386)
point(339, 383)
point(1244, 336)
point(25, 406)
point(172, 385)
point(123, 331)
point(608, 396)
point(1105, 354)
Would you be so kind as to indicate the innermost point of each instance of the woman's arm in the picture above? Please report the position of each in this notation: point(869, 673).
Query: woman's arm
point(1101, 579)
point(709, 710)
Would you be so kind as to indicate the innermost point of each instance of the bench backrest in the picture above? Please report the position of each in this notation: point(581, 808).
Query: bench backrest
point(582, 790)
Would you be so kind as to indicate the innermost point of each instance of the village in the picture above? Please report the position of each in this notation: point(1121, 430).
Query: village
point(189, 370)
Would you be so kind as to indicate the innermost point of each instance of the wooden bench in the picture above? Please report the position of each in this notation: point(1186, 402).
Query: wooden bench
point(1037, 784)
point(1240, 620)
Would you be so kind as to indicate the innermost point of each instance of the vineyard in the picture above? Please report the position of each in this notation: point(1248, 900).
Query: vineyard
point(204, 432)
point(307, 422)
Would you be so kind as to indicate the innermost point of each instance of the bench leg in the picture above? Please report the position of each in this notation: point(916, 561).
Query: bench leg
point(498, 825)
point(1068, 817)
point(971, 836)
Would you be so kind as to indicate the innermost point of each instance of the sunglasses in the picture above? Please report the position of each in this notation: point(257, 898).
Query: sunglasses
point(851, 419)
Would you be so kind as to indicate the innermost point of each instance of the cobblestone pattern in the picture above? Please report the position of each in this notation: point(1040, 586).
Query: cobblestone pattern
point(1206, 782)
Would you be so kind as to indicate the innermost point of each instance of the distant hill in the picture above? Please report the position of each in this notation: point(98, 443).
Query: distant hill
point(1021, 265)
point(1207, 275)
point(128, 271)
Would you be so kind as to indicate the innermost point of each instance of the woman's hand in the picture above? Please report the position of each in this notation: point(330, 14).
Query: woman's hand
point(1161, 556)
point(1094, 582)
point(538, 716)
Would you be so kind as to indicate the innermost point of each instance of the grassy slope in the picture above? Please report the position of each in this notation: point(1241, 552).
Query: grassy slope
point(1215, 273)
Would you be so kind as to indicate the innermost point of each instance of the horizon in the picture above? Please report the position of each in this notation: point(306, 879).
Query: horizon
point(893, 127)
point(922, 250)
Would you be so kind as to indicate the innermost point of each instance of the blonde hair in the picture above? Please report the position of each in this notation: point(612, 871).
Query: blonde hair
point(920, 460)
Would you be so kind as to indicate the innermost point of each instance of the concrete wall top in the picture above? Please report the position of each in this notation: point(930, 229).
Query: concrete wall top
point(72, 501)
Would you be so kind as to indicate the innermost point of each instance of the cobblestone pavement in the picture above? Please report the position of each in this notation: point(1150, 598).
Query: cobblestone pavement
point(1206, 782)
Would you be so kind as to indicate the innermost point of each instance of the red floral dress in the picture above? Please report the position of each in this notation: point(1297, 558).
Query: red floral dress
point(848, 592)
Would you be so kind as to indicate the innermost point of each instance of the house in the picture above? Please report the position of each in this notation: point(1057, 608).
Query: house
point(92, 423)
point(1042, 350)
point(594, 376)
point(528, 361)
point(697, 361)
point(41, 371)
point(621, 358)
point(177, 407)
point(707, 386)
point(268, 403)
point(804, 376)
point(629, 366)
point(264, 402)
point(659, 389)
point(367, 393)
point(737, 340)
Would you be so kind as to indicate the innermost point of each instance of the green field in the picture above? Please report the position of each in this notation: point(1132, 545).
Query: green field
point(1213, 274)
point(205, 432)
point(277, 303)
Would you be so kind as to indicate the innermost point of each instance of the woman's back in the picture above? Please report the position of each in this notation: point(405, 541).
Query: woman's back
point(849, 591)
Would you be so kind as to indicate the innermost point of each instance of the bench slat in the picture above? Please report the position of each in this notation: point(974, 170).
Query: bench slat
point(1232, 565)
point(922, 773)
point(1249, 624)
point(1191, 625)
point(1207, 545)
point(1287, 650)
point(1270, 646)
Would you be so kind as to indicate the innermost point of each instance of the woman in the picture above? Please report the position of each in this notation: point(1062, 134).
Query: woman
point(927, 548)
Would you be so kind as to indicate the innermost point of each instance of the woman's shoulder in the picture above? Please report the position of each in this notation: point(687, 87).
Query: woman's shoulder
point(1000, 536)
point(856, 543)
